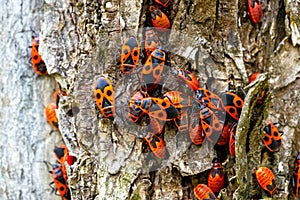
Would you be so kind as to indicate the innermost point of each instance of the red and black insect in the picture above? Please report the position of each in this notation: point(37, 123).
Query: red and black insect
point(152, 41)
point(182, 102)
point(203, 192)
point(232, 133)
point(272, 139)
point(157, 108)
point(224, 135)
point(50, 114)
point(296, 177)
point(38, 63)
point(178, 99)
point(130, 55)
point(210, 123)
point(61, 154)
point(233, 105)
point(104, 97)
point(164, 3)
point(255, 10)
point(156, 144)
point(188, 77)
point(156, 126)
point(197, 135)
point(182, 121)
point(266, 179)
point(209, 99)
point(59, 182)
point(216, 176)
point(151, 74)
point(134, 113)
point(159, 19)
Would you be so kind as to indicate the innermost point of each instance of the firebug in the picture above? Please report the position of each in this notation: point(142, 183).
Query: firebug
point(159, 20)
point(50, 114)
point(151, 73)
point(130, 55)
point(233, 105)
point(266, 179)
point(202, 192)
point(216, 176)
point(104, 97)
point(156, 144)
point(188, 78)
point(152, 41)
point(272, 139)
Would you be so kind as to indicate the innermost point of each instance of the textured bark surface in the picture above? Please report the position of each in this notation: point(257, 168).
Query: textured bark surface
point(81, 40)
point(25, 134)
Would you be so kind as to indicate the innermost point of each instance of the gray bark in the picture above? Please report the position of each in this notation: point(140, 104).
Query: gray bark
point(25, 134)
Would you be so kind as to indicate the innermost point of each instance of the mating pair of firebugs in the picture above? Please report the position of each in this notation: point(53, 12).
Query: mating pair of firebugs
point(151, 72)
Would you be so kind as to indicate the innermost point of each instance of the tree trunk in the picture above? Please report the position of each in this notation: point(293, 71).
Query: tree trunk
point(26, 139)
point(81, 41)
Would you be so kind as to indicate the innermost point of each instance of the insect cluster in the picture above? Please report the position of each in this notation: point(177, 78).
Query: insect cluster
point(61, 154)
point(204, 115)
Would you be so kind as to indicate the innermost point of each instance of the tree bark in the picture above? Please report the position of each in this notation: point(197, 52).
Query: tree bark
point(26, 139)
point(81, 40)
